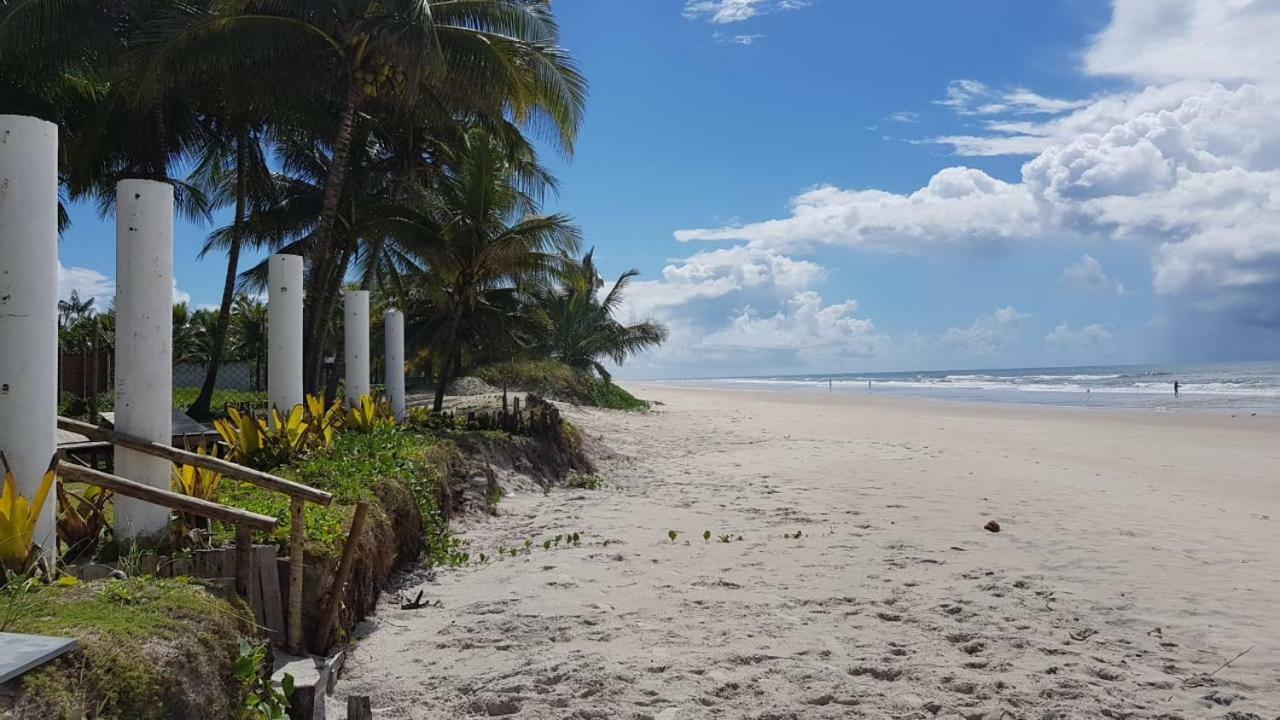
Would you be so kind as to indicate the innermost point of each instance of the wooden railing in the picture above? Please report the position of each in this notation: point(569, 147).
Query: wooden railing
point(245, 522)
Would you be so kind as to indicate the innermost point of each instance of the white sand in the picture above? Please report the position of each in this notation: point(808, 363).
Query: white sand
point(1138, 554)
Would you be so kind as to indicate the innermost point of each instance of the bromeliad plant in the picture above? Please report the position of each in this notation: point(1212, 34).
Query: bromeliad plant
point(82, 519)
point(369, 414)
point(18, 517)
point(196, 482)
point(322, 421)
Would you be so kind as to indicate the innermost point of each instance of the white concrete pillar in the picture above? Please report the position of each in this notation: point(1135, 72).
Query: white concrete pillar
point(29, 308)
point(144, 348)
point(393, 324)
point(356, 343)
point(284, 331)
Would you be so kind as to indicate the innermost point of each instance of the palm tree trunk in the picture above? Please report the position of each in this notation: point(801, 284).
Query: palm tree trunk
point(322, 263)
point(200, 409)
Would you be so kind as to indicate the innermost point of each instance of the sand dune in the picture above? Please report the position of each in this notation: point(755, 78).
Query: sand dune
point(1137, 554)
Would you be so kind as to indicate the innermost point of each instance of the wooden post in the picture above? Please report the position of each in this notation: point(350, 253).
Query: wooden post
point(93, 383)
point(358, 708)
point(244, 562)
point(340, 580)
point(297, 560)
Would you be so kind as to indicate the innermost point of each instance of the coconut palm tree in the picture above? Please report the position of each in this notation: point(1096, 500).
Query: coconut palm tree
point(371, 60)
point(581, 330)
point(479, 241)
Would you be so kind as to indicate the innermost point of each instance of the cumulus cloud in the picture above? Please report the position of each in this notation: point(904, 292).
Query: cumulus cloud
point(731, 11)
point(1088, 337)
point(1179, 39)
point(805, 327)
point(959, 206)
point(91, 283)
point(1087, 274)
point(988, 334)
point(1196, 180)
point(87, 283)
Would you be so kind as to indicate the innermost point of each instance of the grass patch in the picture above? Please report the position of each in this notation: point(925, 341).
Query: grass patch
point(149, 647)
point(561, 382)
point(359, 467)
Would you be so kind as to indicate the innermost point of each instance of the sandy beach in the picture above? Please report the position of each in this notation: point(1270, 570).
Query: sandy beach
point(1137, 556)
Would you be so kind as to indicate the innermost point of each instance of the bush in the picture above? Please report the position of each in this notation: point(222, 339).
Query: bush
point(561, 382)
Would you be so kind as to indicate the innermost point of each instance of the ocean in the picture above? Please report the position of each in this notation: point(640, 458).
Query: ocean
point(1250, 387)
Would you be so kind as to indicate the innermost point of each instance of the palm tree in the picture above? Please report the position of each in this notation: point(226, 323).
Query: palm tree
point(479, 240)
point(580, 328)
point(234, 170)
point(249, 334)
point(72, 310)
point(378, 59)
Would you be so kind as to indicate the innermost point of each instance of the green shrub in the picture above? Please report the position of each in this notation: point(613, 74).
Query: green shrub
point(561, 382)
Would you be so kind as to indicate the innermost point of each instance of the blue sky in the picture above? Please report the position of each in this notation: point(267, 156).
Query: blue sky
point(830, 185)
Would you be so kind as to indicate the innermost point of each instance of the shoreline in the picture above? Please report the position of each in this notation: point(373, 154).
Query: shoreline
point(1004, 397)
point(1135, 557)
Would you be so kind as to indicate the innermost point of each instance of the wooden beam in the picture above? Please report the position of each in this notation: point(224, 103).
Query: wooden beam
point(208, 462)
point(166, 498)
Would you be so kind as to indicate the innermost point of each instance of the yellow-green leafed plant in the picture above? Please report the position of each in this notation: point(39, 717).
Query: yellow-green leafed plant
point(322, 421)
point(242, 434)
point(289, 431)
point(18, 517)
point(369, 414)
point(82, 518)
point(197, 482)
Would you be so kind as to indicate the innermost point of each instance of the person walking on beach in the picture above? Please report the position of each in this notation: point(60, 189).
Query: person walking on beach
point(1177, 388)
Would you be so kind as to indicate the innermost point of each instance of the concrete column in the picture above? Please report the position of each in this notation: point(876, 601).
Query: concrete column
point(356, 343)
point(393, 324)
point(284, 331)
point(144, 348)
point(29, 308)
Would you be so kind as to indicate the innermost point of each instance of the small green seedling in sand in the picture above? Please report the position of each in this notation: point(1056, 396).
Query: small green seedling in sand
point(576, 539)
point(792, 536)
point(528, 544)
point(706, 535)
point(739, 538)
point(546, 544)
point(559, 538)
point(673, 535)
point(483, 558)
point(726, 538)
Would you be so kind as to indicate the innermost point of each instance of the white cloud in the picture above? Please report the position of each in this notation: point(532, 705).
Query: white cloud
point(804, 326)
point(1089, 337)
point(970, 97)
point(1195, 178)
point(732, 11)
point(87, 283)
point(988, 334)
point(1087, 274)
point(904, 116)
point(959, 206)
point(90, 283)
point(737, 39)
point(1227, 40)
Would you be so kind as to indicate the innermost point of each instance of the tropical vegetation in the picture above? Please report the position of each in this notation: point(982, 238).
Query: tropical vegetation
point(400, 154)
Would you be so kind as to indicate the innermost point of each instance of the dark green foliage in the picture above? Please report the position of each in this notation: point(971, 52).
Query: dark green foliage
point(560, 382)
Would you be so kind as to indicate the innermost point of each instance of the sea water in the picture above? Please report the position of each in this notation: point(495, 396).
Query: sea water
point(1225, 387)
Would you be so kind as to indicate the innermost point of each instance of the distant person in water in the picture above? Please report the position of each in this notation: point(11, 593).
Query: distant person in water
point(1177, 388)
point(828, 385)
